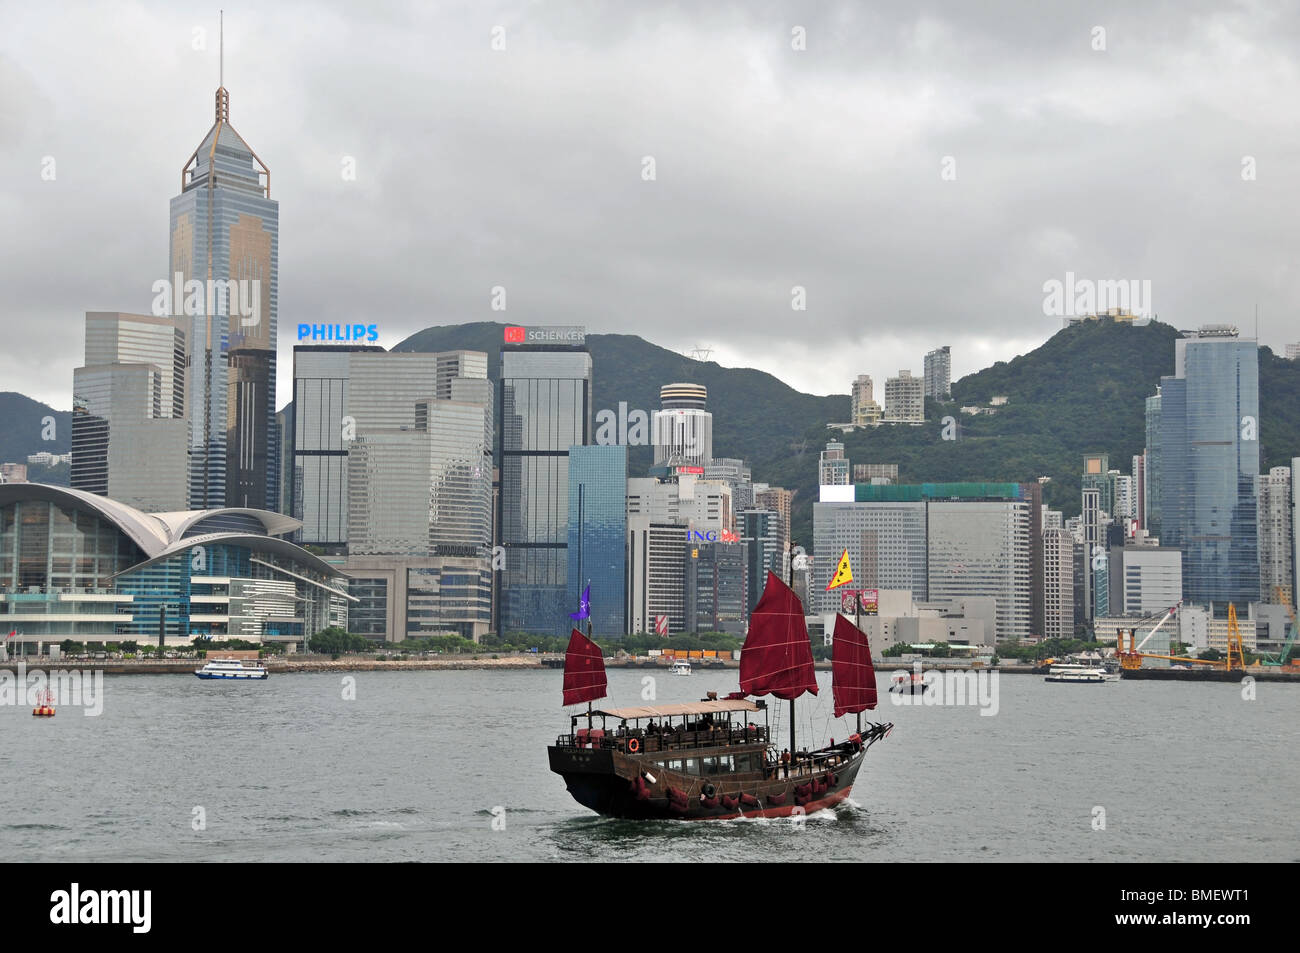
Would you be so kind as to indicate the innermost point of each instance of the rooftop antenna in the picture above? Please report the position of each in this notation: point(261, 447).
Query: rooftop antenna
point(221, 48)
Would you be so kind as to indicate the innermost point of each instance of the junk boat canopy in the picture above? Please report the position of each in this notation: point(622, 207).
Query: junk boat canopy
point(673, 711)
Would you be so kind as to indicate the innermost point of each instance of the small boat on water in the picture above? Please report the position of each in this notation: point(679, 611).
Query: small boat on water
point(44, 704)
point(1082, 674)
point(907, 683)
point(680, 667)
point(717, 758)
point(231, 668)
point(1088, 668)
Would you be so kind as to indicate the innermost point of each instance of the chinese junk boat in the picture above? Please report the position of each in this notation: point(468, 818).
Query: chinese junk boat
point(716, 759)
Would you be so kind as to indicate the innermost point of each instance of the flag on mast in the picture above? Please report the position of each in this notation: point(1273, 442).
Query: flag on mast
point(843, 573)
point(584, 607)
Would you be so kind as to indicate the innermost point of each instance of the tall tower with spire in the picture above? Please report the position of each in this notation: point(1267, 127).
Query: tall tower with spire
point(225, 231)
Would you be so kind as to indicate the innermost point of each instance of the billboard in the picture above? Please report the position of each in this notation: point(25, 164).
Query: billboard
point(564, 334)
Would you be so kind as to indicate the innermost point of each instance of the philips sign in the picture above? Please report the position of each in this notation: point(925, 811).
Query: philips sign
point(550, 335)
point(338, 332)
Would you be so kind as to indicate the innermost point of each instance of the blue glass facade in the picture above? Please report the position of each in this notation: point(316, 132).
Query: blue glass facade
point(1208, 438)
point(598, 534)
point(544, 409)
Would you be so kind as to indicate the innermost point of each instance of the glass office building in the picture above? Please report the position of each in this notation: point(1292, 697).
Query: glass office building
point(544, 409)
point(225, 229)
point(358, 396)
point(75, 565)
point(129, 435)
point(321, 436)
point(943, 542)
point(598, 534)
point(1208, 462)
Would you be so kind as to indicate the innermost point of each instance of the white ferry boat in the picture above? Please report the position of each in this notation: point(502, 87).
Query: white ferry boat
point(231, 668)
point(1077, 673)
point(680, 667)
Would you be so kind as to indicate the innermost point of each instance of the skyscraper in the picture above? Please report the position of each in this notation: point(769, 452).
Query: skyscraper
point(1276, 569)
point(225, 236)
point(1208, 438)
point(938, 373)
point(1058, 584)
point(128, 417)
point(942, 542)
point(544, 409)
point(419, 467)
point(598, 534)
point(1151, 455)
point(682, 429)
point(419, 493)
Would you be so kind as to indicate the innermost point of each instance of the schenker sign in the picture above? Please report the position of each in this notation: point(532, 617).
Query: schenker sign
point(548, 335)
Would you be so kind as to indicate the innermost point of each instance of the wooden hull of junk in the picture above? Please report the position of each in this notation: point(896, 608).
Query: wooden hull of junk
point(613, 782)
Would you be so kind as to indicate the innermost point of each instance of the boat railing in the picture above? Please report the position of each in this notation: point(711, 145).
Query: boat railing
point(654, 741)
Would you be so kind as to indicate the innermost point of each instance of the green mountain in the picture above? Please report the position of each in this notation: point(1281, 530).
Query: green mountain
point(1082, 391)
point(27, 426)
point(755, 416)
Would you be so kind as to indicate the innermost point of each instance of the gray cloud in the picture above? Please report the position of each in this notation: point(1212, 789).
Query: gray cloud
point(775, 168)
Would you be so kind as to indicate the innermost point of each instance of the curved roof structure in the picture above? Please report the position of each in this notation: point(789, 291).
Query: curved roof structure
point(178, 524)
point(163, 534)
point(144, 530)
point(264, 544)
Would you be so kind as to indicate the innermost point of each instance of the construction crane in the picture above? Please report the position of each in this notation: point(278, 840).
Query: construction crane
point(1281, 660)
point(1132, 658)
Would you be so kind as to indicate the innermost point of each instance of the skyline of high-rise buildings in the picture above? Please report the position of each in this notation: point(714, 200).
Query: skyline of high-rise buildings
point(400, 485)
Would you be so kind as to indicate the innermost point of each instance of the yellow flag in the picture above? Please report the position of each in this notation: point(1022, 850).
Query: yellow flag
point(843, 573)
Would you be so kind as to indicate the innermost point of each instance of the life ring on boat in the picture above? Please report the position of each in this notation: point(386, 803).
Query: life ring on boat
point(708, 790)
point(634, 745)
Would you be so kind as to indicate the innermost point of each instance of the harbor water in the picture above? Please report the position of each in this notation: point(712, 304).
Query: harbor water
point(452, 766)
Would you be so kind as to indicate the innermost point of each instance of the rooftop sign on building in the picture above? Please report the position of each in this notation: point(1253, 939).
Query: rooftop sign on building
point(574, 336)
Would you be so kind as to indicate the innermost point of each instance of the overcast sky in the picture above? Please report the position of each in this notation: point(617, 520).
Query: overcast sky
point(774, 167)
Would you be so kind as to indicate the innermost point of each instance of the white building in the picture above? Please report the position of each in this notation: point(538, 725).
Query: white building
point(938, 373)
point(833, 466)
point(901, 620)
point(1276, 545)
point(1144, 580)
point(682, 430)
point(865, 411)
point(904, 399)
point(693, 503)
point(1058, 582)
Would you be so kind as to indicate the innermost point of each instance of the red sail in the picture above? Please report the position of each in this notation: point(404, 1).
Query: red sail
point(777, 657)
point(853, 678)
point(584, 670)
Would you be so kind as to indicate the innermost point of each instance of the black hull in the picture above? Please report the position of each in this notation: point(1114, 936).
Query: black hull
point(604, 780)
point(1208, 675)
